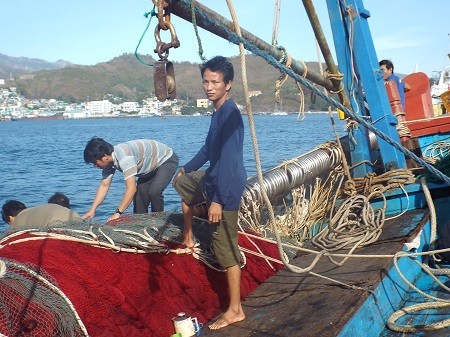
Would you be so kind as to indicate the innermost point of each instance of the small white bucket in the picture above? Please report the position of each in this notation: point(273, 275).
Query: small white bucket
point(185, 325)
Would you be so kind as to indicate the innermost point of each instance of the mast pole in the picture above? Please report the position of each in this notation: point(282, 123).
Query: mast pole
point(322, 41)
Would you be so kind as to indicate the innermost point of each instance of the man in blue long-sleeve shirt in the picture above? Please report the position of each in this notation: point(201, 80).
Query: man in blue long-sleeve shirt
point(223, 182)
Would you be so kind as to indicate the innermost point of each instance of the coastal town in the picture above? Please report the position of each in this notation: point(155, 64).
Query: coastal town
point(13, 106)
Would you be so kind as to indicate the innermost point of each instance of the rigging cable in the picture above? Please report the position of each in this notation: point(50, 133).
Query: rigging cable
point(147, 15)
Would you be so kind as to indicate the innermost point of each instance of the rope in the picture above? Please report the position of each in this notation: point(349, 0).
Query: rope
point(402, 128)
point(438, 303)
point(148, 14)
point(276, 20)
point(254, 141)
point(437, 151)
point(194, 23)
point(287, 60)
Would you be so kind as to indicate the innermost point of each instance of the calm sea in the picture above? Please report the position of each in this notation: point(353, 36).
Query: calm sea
point(38, 158)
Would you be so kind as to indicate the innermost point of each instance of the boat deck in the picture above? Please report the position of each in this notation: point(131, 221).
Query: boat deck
point(290, 304)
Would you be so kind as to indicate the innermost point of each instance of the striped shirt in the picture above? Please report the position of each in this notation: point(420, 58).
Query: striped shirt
point(137, 158)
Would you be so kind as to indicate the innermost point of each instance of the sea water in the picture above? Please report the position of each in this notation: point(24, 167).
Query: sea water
point(38, 158)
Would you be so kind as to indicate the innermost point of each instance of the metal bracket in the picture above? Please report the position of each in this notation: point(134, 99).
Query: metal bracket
point(164, 80)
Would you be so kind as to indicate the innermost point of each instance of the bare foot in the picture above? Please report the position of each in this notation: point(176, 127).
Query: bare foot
point(227, 318)
point(189, 242)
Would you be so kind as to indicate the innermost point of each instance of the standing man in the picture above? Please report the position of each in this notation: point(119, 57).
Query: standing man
point(147, 167)
point(388, 75)
point(223, 182)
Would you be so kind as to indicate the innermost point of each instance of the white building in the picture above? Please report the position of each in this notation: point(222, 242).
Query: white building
point(99, 108)
point(130, 106)
point(203, 103)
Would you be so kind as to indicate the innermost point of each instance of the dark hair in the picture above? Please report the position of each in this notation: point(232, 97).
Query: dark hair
point(12, 208)
point(95, 149)
point(387, 63)
point(59, 199)
point(219, 64)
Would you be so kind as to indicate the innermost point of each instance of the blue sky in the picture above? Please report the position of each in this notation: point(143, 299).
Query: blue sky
point(412, 33)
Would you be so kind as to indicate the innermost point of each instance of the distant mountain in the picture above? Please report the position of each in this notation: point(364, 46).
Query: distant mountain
point(16, 66)
point(128, 79)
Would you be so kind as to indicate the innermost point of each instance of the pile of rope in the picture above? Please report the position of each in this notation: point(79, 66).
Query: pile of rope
point(437, 154)
point(436, 151)
point(378, 183)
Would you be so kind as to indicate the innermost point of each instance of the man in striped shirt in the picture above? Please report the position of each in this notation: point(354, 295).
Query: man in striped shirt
point(147, 166)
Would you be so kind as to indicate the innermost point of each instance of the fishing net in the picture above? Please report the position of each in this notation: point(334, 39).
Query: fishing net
point(122, 278)
point(135, 233)
point(32, 305)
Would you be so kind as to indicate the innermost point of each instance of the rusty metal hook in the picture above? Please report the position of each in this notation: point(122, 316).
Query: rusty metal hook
point(162, 48)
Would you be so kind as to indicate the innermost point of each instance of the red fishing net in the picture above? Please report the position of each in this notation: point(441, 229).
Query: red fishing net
point(123, 294)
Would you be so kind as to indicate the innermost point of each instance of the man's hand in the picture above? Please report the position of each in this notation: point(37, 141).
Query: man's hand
point(113, 217)
point(88, 215)
point(215, 212)
point(179, 173)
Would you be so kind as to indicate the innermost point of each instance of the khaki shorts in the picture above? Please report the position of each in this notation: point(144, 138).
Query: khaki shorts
point(190, 187)
point(225, 234)
point(225, 240)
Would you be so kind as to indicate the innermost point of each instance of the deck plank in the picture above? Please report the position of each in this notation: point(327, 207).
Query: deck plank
point(290, 304)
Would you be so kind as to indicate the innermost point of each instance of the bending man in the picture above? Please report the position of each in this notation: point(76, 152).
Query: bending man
point(147, 167)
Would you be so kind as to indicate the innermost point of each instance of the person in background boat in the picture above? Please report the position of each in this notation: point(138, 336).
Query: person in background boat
point(16, 214)
point(147, 166)
point(59, 199)
point(388, 75)
point(222, 184)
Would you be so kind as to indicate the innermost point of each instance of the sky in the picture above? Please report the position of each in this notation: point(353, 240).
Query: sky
point(413, 34)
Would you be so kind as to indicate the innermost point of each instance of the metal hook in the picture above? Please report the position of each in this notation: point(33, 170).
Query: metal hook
point(163, 48)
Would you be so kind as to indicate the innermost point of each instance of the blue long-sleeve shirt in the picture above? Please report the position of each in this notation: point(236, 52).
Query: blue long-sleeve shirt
point(400, 88)
point(225, 178)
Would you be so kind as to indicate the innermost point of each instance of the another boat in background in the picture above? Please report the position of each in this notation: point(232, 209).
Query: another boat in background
point(440, 92)
point(50, 116)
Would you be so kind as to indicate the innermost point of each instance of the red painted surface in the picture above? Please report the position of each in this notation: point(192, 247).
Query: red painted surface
point(428, 126)
point(418, 103)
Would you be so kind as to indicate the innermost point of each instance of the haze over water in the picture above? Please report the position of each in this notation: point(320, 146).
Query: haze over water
point(38, 158)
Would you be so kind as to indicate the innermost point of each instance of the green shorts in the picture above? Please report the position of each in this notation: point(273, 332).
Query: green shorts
point(190, 187)
point(225, 234)
point(225, 240)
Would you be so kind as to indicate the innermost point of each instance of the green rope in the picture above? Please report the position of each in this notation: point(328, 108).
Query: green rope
point(194, 23)
point(148, 14)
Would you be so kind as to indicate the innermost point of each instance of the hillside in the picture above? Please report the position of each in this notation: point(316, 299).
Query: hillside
point(16, 66)
point(127, 79)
